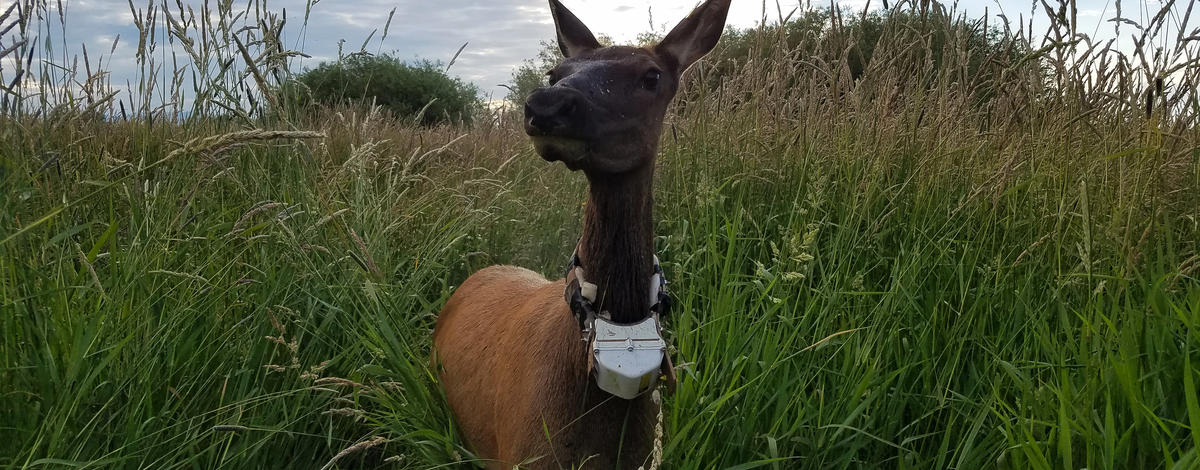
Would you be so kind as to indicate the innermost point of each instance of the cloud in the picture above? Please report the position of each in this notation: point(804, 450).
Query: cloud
point(499, 34)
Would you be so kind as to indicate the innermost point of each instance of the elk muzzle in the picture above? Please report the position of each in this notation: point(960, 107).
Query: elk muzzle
point(555, 120)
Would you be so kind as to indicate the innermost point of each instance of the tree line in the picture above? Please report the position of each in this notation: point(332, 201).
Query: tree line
point(424, 91)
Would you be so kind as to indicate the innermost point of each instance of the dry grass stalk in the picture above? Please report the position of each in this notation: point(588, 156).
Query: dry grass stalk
point(339, 382)
point(366, 255)
point(195, 277)
point(83, 259)
point(355, 413)
point(223, 141)
point(359, 447)
point(265, 206)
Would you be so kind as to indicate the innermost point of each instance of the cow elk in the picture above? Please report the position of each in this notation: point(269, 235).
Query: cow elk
point(554, 374)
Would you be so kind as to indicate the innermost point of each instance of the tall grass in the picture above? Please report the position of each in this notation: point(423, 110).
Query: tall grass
point(920, 268)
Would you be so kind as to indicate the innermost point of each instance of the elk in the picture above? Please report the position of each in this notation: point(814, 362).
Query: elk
point(507, 345)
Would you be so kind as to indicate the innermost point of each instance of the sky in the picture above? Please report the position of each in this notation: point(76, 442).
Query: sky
point(499, 33)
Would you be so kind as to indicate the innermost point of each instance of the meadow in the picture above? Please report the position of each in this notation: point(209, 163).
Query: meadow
point(944, 261)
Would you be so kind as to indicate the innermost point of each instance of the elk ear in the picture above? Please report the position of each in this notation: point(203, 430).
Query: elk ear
point(696, 35)
point(574, 37)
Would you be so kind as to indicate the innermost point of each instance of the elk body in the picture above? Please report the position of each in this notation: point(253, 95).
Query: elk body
point(507, 346)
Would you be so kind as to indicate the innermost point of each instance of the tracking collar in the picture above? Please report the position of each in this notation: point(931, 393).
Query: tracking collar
point(626, 359)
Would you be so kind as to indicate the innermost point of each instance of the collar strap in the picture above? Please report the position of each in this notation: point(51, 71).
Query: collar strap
point(581, 295)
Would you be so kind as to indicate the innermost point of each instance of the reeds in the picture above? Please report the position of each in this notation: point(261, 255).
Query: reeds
point(200, 61)
point(958, 254)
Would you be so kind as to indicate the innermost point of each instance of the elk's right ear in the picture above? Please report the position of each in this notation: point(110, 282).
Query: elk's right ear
point(696, 35)
point(574, 37)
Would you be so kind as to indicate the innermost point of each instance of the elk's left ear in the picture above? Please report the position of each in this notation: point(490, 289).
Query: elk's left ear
point(696, 35)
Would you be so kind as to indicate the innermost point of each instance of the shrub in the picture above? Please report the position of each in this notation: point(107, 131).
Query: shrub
point(931, 36)
point(420, 91)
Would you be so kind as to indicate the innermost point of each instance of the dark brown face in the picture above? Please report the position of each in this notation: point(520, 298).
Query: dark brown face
point(603, 108)
point(602, 111)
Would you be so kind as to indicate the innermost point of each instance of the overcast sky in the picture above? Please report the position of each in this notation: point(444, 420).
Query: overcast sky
point(499, 33)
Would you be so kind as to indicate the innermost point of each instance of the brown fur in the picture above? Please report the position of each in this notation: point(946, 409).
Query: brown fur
point(514, 369)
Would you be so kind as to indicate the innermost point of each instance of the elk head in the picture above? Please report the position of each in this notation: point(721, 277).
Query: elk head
point(603, 108)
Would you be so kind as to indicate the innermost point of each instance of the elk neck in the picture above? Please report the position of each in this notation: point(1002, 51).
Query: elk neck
point(617, 246)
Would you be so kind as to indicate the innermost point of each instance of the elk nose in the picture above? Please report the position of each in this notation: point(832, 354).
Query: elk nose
point(550, 111)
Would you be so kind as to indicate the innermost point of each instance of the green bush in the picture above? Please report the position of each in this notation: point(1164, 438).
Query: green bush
point(932, 37)
point(421, 91)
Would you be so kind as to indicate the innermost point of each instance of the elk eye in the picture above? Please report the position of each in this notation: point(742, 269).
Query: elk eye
point(650, 81)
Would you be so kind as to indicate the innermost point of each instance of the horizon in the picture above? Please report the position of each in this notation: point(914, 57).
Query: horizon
point(493, 48)
point(513, 33)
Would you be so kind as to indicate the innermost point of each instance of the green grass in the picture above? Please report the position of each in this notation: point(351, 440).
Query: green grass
point(835, 314)
point(881, 274)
